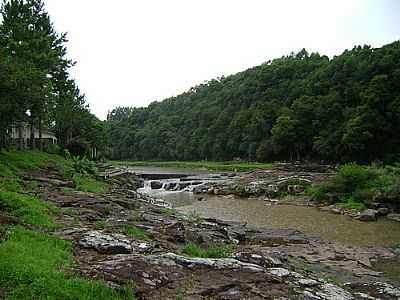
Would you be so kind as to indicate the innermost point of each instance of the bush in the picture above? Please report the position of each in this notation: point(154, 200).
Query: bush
point(214, 251)
point(84, 166)
point(361, 184)
point(78, 147)
point(53, 149)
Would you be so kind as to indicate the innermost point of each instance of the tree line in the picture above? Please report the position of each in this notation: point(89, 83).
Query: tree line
point(300, 106)
point(35, 84)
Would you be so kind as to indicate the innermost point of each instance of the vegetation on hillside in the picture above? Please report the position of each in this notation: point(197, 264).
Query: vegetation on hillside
point(33, 263)
point(296, 107)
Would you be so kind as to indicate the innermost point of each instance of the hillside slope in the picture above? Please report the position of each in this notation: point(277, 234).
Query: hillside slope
point(298, 106)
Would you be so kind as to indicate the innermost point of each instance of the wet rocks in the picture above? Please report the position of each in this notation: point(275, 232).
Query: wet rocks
point(368, 215)
point(394, 217)
point(258, 259)
point(156, 185)
point(106, 243)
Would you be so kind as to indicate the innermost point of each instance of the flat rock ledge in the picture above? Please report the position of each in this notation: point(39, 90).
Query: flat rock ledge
point(163, 275)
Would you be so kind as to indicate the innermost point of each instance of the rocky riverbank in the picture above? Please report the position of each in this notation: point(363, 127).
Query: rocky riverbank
point(127, 239)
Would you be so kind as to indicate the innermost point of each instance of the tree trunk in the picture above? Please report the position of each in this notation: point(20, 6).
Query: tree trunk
point(20, 139)
point(32, 124)
point(40, 134)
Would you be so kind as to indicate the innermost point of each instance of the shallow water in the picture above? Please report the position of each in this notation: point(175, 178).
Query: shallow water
point(309, 220)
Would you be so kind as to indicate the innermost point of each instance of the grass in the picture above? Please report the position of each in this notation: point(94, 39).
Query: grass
point(356, 187)
point(87, 184)
point(28, 209)
point(214, 251)
point(208, 165)
point(12, 163)
point(194, 218)
point(31, 267)
point(135, 232)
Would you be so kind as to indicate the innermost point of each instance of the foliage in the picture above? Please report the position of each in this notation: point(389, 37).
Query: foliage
point(35, 84)
point(30, 265)
point(87, 184)
point(194, 217)
point(213, 251)
point(84, 166)
point(135, 232)
point(209, 165)
point(356, 186)
point(300, 106)
point(28, 209)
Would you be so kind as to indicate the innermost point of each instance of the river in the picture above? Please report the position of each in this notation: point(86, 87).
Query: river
point(309, 220)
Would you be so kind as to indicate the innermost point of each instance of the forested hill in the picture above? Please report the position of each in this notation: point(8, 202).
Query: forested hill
point(301, 106)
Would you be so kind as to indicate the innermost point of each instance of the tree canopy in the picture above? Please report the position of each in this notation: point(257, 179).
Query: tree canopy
point(300, 106)
point(35, 84)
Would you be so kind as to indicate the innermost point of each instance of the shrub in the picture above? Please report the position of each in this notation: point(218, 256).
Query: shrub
point(84, 166)
point(361, 184)
point(213, 251)
point(135, 232)
point(78, 147)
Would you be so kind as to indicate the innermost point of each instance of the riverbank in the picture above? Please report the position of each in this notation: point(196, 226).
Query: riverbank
point(128, 241)
point(205, 165)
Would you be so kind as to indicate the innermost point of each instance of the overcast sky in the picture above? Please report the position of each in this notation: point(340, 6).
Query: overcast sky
point(134, 52)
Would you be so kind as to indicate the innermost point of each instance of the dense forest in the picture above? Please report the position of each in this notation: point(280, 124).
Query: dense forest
point(301, 106)
point(35, 85)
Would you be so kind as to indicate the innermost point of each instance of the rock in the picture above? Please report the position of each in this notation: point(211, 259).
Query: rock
point(332, 292)
point(106, 243)
point(258, 259)
point(200, 189)
point(383, 211)
point(170, 186)
point(336, 211)
point(155, 185)
point(308, 282)
point(394, 217)
point(279, 272)
point(368, 215)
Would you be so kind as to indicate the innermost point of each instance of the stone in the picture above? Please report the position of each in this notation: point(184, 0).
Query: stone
point(383, 211)
point(394, 217)
point(106, 243)
point(258, 259)
point(368, 215)
point(279, 272)
point(155, 185)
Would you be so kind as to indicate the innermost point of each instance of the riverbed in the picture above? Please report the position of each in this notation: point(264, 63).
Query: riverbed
point(255, 212)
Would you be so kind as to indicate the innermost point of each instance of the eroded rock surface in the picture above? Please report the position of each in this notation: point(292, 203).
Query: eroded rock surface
point(265, 264)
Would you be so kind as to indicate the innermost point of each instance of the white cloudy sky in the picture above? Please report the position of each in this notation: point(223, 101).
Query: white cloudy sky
point(133, 52)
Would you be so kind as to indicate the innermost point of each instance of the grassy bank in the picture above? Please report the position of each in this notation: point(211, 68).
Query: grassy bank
point(35, 264)
point(356, 187)
point(205, 165)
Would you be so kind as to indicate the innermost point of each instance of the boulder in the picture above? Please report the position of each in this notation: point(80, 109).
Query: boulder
point(383, 211)
point(368, 215)
point(106, 243)
point(156, 185)
point(394, 217)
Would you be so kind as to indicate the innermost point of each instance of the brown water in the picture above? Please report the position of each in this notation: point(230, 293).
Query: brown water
point(309, 220)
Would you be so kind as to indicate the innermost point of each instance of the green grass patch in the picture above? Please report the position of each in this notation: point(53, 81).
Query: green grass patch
point(88, 184)
point(28, 209)
point(31, 267)
point(356, 186)
point(213, 251)
point(208, 165)
point(135, 232)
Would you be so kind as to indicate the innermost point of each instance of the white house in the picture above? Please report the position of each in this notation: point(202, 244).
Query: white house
point(24, 133)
